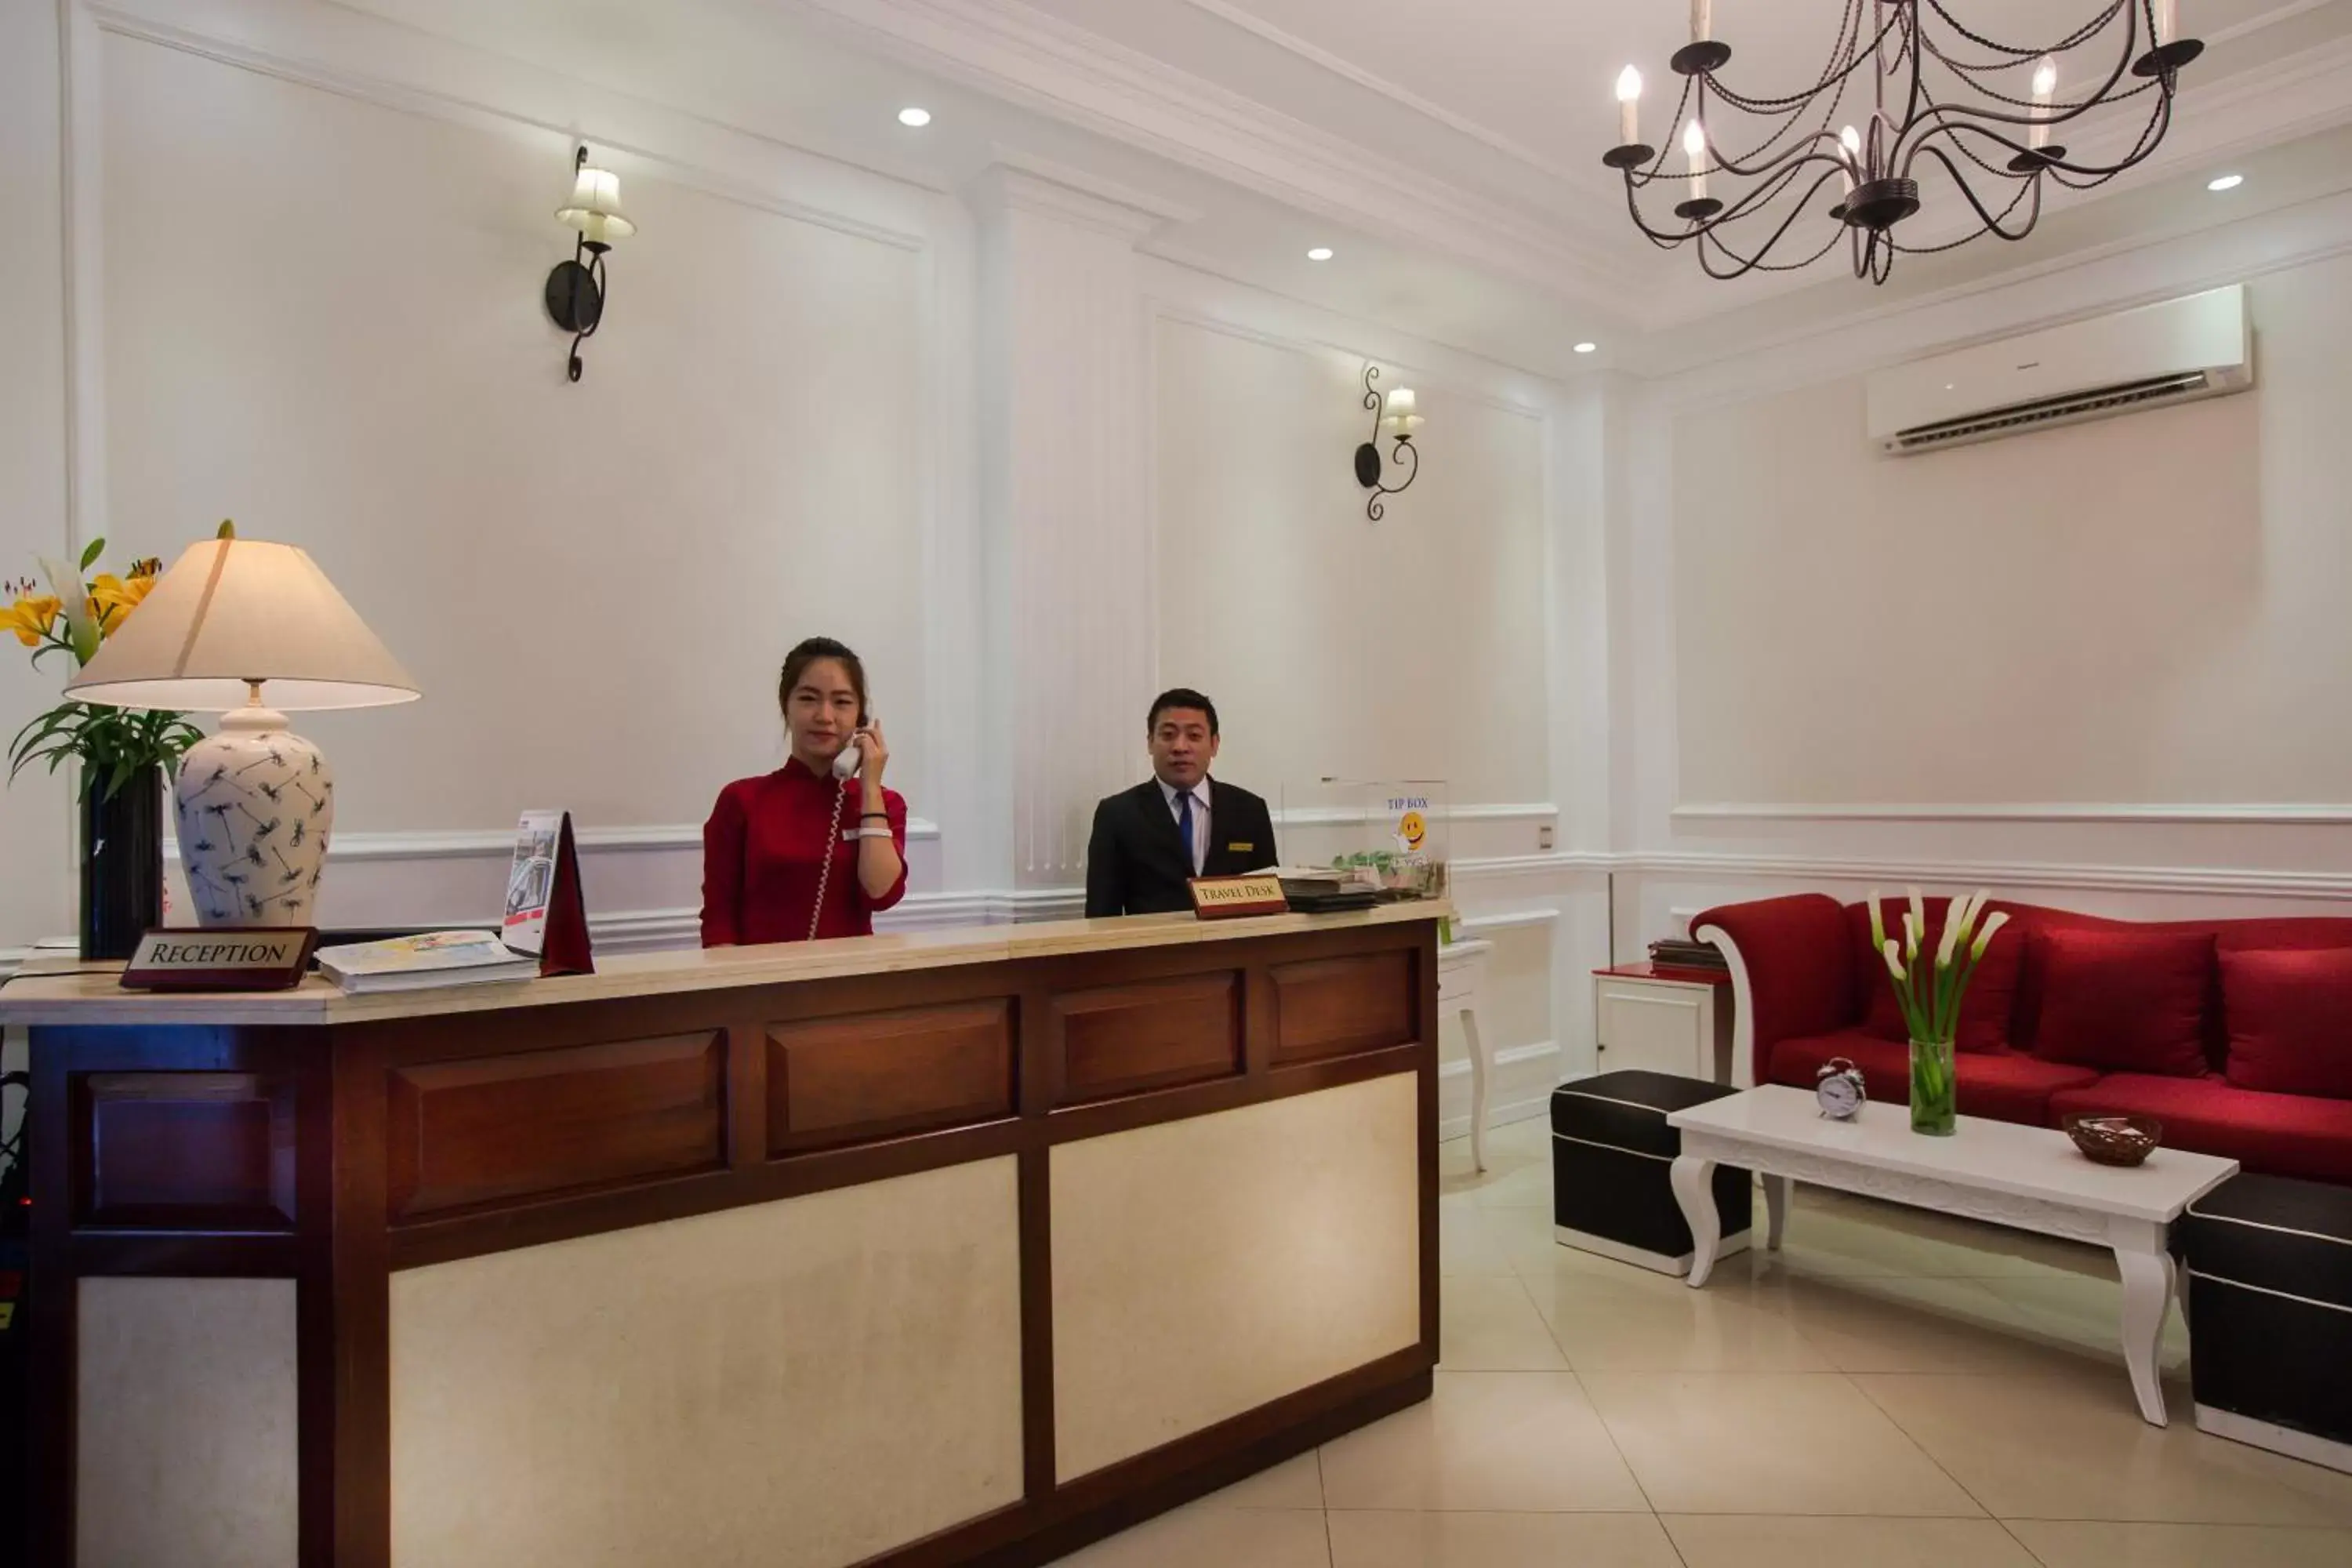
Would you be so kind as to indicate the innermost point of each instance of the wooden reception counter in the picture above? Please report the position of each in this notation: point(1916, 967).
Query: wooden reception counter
point(964, 1246)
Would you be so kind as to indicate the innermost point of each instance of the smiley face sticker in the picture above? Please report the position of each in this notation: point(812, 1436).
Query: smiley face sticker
point(1411, 830)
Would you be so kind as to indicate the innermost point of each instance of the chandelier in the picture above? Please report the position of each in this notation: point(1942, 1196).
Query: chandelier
point(1972, 115)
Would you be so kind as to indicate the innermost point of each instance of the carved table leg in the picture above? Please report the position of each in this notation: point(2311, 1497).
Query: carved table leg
point(1776, 1210)
point(2148, 1279)
point(1694, 1181)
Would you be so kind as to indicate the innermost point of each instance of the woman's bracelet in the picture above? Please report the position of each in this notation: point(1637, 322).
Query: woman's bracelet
point(875, 817)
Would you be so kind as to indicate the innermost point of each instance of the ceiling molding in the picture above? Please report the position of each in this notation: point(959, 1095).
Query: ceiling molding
point(1402, 97)
point(1046, 64)
point(1064, 69)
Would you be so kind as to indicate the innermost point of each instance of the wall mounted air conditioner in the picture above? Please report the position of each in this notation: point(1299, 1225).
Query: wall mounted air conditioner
point(2202, 346)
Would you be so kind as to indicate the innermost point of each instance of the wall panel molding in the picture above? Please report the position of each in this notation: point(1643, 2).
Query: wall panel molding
point(2293, 812)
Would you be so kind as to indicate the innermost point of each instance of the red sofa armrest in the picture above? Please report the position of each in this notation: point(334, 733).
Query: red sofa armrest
point(1791, 969)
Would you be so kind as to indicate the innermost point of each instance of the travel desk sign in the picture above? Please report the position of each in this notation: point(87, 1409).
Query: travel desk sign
point(530, 881)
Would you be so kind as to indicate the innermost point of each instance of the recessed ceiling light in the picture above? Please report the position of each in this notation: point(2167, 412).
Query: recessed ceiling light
point(1320, 253)
point(1585, 348)
point(2226, 183)
point(915, 118)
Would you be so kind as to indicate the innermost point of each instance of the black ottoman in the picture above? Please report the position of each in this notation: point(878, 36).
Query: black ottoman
point(2270, 1315)
point(1611, 1153)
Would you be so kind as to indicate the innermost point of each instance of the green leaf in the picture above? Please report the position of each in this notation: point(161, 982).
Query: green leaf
point(90, 556)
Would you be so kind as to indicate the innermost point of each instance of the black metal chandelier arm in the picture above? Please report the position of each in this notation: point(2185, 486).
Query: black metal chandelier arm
point(1751, 261)
point(2080, 35)
point(2031, 188)
point(1833, 73)
point(1756, 262)
point(1766, 160)
point(1968, 193)
point(1373, 398)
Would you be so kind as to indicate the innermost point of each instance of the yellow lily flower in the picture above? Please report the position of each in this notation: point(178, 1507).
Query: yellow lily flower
point(113, 598)
point(30, 618)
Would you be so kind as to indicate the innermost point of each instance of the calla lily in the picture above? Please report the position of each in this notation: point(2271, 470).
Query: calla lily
point(1977, 903)
point(1894, 963)
point(1910, 934)
point(1984, 937)
point(1919, 910)
point(1944, 948)
point(1877, 921)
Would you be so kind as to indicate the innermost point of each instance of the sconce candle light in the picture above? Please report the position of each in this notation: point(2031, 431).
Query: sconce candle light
point(575, 289)
point(1398, 416)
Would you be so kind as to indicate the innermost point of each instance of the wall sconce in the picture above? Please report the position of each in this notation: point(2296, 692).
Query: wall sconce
point(1396, 417)
point(575, 289)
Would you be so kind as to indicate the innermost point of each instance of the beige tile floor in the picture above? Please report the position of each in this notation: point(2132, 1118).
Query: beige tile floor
point(1894, 1387)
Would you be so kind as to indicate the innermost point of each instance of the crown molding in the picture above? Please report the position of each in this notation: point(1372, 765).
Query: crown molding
point(1016, 182)
point(1055, 67)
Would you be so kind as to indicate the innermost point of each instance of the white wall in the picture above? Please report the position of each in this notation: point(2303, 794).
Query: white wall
point(307, 277)
point(1450, 640)
point(1030, 469)
point(2091, 667)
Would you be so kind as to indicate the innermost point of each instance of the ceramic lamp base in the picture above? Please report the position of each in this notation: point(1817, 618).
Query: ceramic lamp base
point(255, 805)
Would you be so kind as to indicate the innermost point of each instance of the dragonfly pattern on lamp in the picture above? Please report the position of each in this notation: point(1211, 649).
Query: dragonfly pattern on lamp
point(262, 846)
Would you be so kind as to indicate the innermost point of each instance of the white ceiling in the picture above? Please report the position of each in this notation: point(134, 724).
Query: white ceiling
point(1473, 129)
point(1447, 149)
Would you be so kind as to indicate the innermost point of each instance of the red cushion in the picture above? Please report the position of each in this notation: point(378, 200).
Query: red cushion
point(2289, 1016)
point(1992, 992)
point(2129, 1001)
point(2276, 1134)
point(2005, 1085)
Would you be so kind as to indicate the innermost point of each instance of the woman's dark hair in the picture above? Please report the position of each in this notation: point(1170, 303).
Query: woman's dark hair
point(807, 652)
point(1183, 697)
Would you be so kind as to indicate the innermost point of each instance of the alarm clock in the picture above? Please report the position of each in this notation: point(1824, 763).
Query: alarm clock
point(1838, 1086)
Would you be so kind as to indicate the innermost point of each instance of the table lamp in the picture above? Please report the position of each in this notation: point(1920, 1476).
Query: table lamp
point(234, 622)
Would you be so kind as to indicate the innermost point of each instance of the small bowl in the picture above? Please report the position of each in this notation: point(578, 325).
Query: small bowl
point(2115, 1140)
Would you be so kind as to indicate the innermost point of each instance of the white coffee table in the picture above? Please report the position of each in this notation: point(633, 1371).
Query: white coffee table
point(2029, 1178)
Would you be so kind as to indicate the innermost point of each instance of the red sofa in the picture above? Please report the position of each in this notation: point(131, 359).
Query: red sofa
point(1807, 983)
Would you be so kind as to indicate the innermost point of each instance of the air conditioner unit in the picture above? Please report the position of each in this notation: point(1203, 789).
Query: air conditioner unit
point(2202, 346)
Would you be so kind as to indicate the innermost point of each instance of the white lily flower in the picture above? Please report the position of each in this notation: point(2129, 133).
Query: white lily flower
point(1976, 912)
point(1877, 921)
point(1952, 942)
point(1894, 963)
point(1910, 934)
point(1919, 910)
point(1984, 937)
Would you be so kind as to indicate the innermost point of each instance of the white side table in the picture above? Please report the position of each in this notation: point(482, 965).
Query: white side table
point(1461, 974)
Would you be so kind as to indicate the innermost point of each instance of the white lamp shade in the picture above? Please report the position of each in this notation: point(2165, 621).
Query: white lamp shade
point(234, 611)
point(595, 206)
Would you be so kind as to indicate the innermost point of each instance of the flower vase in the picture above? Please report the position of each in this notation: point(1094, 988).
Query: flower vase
point(1934, 1089)
point(122, 865)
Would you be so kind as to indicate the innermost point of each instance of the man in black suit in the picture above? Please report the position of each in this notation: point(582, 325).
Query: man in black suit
point(1147, 841)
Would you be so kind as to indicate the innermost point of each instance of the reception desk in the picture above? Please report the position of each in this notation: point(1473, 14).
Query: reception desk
point(953, 1248)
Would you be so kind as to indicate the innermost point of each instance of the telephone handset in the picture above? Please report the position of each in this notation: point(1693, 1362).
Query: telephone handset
point(847, 764)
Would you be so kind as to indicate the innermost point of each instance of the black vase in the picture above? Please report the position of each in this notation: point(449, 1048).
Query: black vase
point(122, 865)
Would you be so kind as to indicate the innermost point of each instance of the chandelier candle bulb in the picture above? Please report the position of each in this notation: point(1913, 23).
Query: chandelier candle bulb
point(1694, 148)
point(2168, 20)
point(1703, 20)
point(1850, 140)
point(1629, 107)
point(2045, 82)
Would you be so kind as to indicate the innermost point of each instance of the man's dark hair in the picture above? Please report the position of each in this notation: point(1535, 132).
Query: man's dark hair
point(1179, 697)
